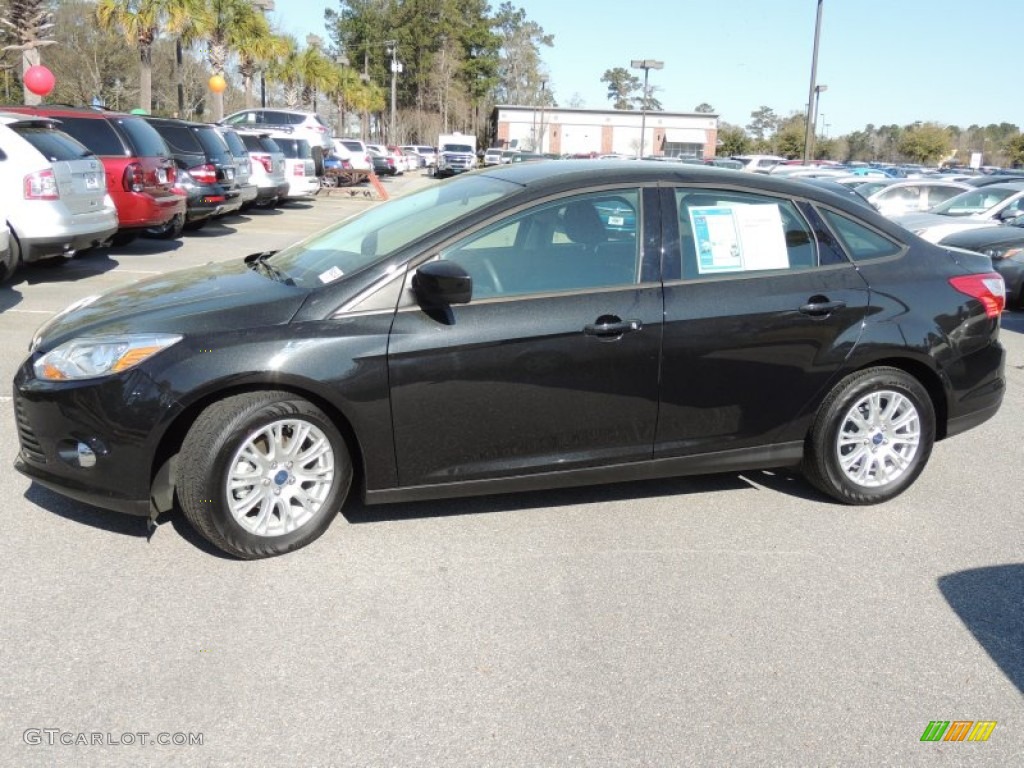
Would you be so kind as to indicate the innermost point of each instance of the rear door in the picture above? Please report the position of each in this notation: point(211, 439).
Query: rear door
point(762, 308)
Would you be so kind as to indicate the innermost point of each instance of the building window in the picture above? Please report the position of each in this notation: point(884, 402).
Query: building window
point(678, 149)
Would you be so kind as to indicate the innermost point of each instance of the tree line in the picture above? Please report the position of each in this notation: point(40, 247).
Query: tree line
point(457, 59)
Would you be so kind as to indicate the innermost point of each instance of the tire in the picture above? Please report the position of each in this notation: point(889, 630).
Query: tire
point(193, 226)
point(10, 265)
point(268, 509)
point(871, 438)
point(170, 230)
point(123, 238)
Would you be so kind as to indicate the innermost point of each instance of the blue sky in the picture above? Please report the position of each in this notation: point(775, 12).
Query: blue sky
point(884, 61)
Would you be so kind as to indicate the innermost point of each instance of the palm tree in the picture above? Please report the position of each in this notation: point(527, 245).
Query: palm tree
point(139, 22)
point(232, 23)
point(257, 47)
point(188, 21)
point(28, 23)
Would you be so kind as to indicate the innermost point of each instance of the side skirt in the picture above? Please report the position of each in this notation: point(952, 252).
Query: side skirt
point(762, 457)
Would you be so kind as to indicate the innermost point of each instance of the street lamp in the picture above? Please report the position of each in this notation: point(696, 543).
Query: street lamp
point(396, 67)
point(543, 82)
point(812, 92)
point(263, 6)
point(818, 90)
point(646, 65)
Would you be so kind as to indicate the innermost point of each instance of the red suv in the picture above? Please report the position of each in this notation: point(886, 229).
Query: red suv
point(139, 167)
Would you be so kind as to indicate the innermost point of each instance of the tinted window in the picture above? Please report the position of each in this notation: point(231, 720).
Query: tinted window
point(53, 145)
point(242, 119)
point(733, 232)
point(179, 137)
point(294, 148)
point(97, 134)
point(269, 145)
point(252, 143)
point(234, 143)
point(144, 138)
point(580, 243)
point(212, 143)
point(861, 243)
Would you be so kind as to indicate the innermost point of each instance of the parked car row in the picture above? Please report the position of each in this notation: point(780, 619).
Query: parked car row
point(89, 177)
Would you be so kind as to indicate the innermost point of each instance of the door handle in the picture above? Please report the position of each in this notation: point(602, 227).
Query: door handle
point(611, 327)
point(819, 305)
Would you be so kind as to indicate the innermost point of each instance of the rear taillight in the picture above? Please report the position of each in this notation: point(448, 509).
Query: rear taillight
point(204, 174)
point(41, 185)
point(299, 170)
point(134, 178)
point(986, 287)
point(266, 161)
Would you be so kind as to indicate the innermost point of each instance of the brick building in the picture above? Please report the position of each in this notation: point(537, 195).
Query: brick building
point(600, 131)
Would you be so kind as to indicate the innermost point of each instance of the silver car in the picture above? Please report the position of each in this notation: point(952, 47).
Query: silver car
point(243, 165)
point(54, 196)
point(268, 170)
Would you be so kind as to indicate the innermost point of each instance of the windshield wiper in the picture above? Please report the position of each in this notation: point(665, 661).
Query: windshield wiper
point(258, 262)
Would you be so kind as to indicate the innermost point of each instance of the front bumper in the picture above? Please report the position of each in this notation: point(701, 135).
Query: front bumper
point(116, 419)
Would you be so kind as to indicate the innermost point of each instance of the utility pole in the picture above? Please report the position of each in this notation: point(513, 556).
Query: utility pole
point(812, 93)
point(646, 65)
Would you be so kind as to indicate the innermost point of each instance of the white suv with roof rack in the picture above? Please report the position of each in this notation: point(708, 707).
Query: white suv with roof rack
point(302, 125)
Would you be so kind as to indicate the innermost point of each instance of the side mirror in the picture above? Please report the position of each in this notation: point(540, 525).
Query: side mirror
point(1008, 214)
point(439, 283)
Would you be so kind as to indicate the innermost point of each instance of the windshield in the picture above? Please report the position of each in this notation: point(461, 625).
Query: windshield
point(975, 201)
point(456, 148)
point(384, 230)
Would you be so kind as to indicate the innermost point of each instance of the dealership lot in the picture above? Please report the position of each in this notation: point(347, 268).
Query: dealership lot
point(738, 619)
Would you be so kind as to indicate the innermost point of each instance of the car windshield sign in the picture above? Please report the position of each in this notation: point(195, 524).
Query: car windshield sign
point(383, 231)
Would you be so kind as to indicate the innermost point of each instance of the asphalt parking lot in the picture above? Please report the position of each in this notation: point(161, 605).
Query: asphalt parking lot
point(737, 619)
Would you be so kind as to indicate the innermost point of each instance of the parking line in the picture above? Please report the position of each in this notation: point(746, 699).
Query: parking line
point(32, 311)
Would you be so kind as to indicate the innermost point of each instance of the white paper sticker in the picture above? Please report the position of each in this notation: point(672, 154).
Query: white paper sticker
point(331, 275)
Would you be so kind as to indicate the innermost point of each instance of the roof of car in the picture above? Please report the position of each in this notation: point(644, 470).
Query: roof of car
point(67, 110)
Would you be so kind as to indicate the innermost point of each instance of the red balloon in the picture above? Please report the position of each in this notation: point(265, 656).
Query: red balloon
point(39, 80)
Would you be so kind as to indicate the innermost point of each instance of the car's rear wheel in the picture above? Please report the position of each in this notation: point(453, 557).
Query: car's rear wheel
point(871, 438)
point(9, 265)
point(170, 229)
point(262, 473)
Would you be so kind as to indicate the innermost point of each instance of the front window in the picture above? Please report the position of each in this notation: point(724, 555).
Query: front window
point(578, 243)
point(385, 230)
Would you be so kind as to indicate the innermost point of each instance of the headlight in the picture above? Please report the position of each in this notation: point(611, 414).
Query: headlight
point(87, 358)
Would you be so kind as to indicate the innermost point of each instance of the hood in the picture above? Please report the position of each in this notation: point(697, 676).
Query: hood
point(222, 297)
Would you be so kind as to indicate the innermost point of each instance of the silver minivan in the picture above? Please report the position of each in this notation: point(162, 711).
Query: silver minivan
point(54, 191)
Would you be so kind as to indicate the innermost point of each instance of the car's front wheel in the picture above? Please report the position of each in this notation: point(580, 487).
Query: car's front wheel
point(872, 436)
point(262, 473)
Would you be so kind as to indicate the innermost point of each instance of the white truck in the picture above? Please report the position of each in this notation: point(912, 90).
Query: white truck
point(456, 153)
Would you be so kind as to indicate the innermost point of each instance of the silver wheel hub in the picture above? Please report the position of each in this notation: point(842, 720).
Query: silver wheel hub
point(878, 439)
point(280, 477)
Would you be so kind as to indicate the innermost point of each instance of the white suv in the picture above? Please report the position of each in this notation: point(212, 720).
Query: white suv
point(54, 196)
point(358, 154)
point(301, 125)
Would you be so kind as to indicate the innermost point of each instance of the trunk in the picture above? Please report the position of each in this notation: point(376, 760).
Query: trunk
point(250, 99)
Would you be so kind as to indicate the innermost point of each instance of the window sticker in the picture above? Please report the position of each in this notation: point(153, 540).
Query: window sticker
point(331, 275)
point(738, 238)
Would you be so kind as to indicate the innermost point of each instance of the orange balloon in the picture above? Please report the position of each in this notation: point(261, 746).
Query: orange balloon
point(217, 84)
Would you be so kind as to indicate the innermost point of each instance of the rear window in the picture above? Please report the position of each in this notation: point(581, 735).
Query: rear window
point(355, 146)
point(861, 243)
point(252, 143)
point(179, 137)
point(212, 142)
point(294, 148)
point(144, 137)
point(95, 133)
point(235, 143)
point(52, 144)
point(269, 145)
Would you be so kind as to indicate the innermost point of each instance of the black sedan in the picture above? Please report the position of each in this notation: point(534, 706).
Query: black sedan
point(1005, 246)
point(497, 332)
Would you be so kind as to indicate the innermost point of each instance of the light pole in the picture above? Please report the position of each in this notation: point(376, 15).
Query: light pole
point(818, 89)
point(646, 65)
point(396, 67)
point(542, 84)
point(263, 6)
point(812, 92)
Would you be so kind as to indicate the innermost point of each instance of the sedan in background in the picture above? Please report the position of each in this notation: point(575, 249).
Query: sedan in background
point(1005, 246)
point(980, 207)
point(524, 327)
point(893, 197)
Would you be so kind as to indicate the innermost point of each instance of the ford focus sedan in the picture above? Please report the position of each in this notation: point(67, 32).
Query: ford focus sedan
point(518, 328)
